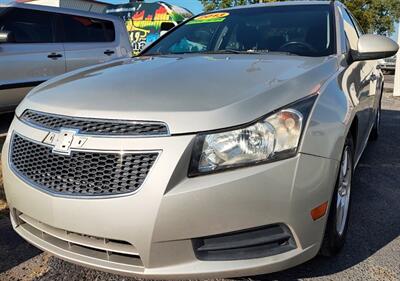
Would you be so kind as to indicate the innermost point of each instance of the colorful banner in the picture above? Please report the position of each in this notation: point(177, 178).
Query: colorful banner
point(143, 20)
point(210, 18)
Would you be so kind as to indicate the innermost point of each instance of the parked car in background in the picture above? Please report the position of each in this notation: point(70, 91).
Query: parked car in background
point(388, 65)
point(226, 148)
point(39, 42)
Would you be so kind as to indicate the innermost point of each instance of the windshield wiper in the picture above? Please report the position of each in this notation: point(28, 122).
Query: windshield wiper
point(284, 53)
point(232, 51)
point(226, 51)
point(167, 54)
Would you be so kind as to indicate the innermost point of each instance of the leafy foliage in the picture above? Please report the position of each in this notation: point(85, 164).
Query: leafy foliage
point(375, 16)
point(210, 5)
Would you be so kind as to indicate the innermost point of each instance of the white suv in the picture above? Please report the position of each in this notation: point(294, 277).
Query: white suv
point(38, 43)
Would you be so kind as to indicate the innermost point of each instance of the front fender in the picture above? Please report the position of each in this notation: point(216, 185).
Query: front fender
point(330, 121)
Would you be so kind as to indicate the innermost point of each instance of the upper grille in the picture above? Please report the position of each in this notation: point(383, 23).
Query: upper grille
point(81, 173)
point(94, 126)
point(391, 60)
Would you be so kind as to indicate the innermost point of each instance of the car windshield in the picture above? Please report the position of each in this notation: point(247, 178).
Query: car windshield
point(305, 30)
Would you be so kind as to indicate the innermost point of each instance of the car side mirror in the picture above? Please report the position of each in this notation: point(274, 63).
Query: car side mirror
point(373, 47)
point(6, 37)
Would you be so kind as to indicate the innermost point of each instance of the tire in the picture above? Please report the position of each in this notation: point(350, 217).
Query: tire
point(338, 218)
point(374, 135)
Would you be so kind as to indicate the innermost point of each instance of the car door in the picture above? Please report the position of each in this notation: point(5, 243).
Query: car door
point(372, 73)
point(88, 41)
point(31, 57)
point(358, 75)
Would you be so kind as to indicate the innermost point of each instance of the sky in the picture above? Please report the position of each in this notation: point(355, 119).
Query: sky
point(395, 35)
point(193, 5)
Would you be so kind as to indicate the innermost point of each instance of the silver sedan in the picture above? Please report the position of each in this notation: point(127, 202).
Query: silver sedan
point(226, 148)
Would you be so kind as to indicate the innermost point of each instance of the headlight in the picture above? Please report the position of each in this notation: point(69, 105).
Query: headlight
point(273, 137)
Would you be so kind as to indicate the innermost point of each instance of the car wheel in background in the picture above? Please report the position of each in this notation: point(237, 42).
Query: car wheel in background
point(338, 218)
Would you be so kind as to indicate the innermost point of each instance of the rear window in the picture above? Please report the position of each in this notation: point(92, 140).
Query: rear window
point(27, 26)
point(84, 29)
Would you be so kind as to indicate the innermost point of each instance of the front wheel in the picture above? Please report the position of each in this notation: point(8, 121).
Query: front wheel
point(338, 218)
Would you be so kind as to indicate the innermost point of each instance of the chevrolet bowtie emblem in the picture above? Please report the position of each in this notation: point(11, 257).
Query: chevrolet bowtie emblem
point(64, 140)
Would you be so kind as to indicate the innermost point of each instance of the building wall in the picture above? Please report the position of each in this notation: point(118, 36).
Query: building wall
point(53, 3)
point(83, 5)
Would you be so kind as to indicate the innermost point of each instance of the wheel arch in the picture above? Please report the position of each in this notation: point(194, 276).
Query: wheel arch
point(353, 131)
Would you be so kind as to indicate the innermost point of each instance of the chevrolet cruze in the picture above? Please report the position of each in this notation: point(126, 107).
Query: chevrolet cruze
point(226, 148)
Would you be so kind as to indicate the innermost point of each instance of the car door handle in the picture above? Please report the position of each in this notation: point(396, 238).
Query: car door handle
point(373, 77)
point(54, 56)
point(109, 52)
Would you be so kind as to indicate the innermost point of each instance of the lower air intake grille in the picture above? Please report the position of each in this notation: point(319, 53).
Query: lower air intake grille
point(81, 173)
point(98, 248)
point(247, 244)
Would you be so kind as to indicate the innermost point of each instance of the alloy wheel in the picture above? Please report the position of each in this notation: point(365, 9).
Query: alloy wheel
point(343, 196)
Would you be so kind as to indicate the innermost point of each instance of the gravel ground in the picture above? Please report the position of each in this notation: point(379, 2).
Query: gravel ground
point(372, 251)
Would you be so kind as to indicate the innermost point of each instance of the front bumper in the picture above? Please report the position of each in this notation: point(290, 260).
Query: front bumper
point(170, 210)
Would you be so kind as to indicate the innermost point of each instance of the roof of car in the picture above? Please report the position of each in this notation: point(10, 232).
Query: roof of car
point(285, 3)
point(62, 10)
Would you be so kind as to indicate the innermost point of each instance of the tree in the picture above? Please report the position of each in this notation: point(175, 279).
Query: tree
point(374, 16)
point(210, 5)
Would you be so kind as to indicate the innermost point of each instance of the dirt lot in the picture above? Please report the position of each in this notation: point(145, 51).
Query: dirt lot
point(372, 251)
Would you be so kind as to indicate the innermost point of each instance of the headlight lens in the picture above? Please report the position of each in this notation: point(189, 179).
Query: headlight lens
point(273, 137)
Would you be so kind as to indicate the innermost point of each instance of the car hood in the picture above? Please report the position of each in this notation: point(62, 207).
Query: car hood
point(190, 93)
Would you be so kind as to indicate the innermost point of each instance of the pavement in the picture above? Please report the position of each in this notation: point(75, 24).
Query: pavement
point(372, 250)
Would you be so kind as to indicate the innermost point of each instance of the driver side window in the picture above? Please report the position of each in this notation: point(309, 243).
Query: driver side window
point(28, 26)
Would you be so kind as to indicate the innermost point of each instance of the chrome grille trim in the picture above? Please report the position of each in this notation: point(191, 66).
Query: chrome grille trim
point(124, 180)
point(94, 126)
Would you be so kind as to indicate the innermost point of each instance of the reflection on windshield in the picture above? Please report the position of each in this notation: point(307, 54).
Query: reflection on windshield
point(185, 45)
point(304, 30)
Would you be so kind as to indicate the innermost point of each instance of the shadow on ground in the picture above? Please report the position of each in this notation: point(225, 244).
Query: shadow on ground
point(5, 121)
point(13, 249)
